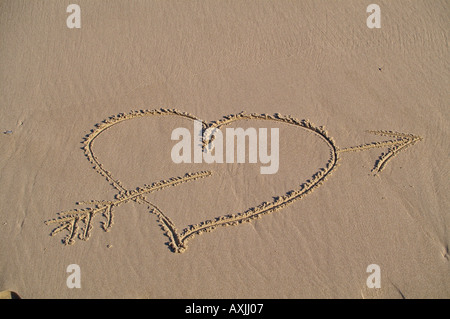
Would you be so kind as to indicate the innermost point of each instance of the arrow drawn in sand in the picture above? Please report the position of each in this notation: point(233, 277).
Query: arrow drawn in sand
point(78, 223)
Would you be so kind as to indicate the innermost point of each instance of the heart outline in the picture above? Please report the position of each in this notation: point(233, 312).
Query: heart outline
point(178, 241)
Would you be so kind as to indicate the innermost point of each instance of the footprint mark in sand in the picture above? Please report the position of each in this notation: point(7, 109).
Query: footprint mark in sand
point(78, 222)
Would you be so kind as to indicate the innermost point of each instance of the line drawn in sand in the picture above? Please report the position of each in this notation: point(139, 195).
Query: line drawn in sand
point(78, 222)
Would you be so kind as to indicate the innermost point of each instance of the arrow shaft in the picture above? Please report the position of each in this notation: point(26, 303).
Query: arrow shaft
point(367, 146)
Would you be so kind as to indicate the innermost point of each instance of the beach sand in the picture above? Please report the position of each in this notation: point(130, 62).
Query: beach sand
point(315, 63)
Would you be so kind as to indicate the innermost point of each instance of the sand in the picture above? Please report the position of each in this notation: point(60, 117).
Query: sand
point(87, 116)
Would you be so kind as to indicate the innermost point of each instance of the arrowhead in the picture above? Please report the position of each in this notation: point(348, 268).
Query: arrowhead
point(400, 142)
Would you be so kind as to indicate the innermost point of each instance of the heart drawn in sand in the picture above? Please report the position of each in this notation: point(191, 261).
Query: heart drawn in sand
point(78, 222)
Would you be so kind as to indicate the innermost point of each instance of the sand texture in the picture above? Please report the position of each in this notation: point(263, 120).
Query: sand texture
point(86, 175)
